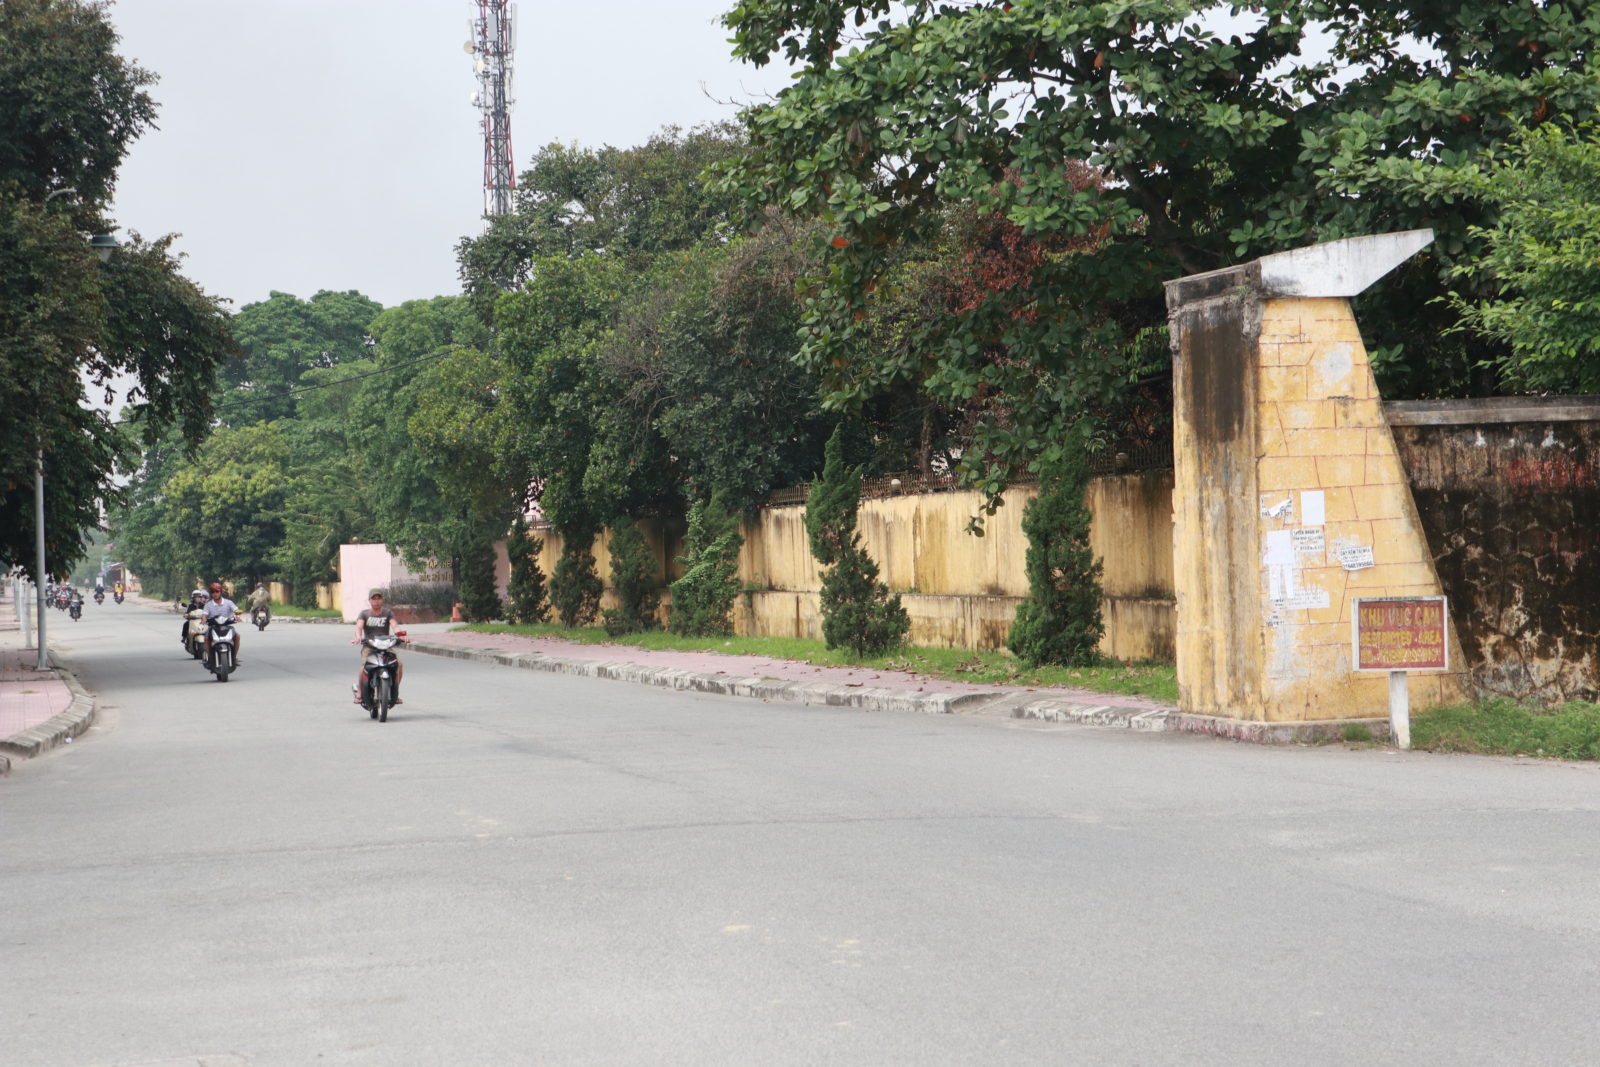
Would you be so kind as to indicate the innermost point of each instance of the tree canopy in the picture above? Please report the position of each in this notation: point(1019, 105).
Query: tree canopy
point(70, 107)
point(1215, 132)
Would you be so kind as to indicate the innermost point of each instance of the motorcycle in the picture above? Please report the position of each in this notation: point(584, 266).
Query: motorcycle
point(75, 609)
point(117, 597)
point(382, 670)
point(194, 634)
point(99, 598)
point(261, 616)
point(220, 662)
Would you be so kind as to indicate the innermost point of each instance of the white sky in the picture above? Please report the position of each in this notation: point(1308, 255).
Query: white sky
point(330, 144)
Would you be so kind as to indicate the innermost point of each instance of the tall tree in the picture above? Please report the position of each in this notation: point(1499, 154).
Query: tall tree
point(1218, 135)
point(70, 107)
point(283, 337)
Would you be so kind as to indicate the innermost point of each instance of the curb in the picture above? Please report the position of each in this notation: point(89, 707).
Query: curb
point(307, 621)
point(56, 730)
point(1274, 733)
point(995, 702)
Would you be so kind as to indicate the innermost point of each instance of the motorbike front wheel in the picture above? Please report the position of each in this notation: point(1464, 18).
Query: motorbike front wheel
point(384, 698)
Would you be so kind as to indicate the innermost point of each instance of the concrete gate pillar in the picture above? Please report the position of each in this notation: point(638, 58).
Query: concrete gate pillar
point(1289, 497)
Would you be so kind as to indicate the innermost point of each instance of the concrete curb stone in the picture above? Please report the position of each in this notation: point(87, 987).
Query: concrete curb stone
point(56, 730)
point(1274, 733)
point(997, 702)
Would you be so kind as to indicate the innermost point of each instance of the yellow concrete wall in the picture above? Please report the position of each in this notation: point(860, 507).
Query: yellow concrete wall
point(1265, 598)
point(1322, 429)
point(960, 591)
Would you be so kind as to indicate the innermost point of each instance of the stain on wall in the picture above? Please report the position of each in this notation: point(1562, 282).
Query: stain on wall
point(1511, 510)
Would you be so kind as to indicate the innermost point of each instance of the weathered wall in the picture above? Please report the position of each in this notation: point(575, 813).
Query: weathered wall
point(1509, 494)
point(1291, 503)
point(960, 591)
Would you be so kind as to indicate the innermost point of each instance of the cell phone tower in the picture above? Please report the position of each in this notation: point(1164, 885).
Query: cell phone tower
point(493, 40)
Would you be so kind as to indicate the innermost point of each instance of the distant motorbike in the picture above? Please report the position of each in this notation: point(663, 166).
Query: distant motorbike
point(75, 609)
point(220, 661)
point(117, 597)
point(99, 598)
point(382, 670)
point(261, 616)
point(194, 634)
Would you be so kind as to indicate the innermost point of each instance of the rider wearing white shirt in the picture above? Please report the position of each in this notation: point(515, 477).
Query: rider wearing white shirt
point(221, 606)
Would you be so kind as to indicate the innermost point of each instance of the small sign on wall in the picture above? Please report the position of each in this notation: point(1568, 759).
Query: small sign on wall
point(1397, 634)
point(1400, 633)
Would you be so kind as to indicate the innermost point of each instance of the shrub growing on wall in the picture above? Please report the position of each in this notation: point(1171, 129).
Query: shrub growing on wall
point(479, 601)
point(633, 580)
point(702, 600)
point(529, 601)
point(575, 588)
point(858, 612)
point(1060, 621)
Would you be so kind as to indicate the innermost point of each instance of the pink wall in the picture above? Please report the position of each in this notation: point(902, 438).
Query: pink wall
point(363, 568)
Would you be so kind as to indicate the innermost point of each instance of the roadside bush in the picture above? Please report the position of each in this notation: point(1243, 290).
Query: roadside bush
point(575, 588)
point(479, 600)
point(858, 611)
point(702, 600)
point(438, 597)
point(633, 580)
point(529, 600)
point(1060, 620)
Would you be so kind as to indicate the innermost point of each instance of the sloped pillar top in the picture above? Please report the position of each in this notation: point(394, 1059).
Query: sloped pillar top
point(1332, 269)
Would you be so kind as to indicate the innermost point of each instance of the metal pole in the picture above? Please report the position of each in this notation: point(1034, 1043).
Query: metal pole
point(38, 576)
point(22, 611)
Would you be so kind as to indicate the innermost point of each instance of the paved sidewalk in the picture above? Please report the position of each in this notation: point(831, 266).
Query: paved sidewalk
point(765, 678)
point(38, 709)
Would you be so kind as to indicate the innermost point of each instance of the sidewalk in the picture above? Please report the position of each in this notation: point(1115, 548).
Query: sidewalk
point(764, 678)
point(780, 680)
point(38, 709)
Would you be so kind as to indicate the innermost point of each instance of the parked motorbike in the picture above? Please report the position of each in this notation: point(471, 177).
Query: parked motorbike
point(220, 661)
point(194, 634)
point(382, 670)
point(75, 609)
point(261, 616)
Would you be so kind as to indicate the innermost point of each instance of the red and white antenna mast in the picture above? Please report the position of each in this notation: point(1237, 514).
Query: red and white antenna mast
point(493, 39)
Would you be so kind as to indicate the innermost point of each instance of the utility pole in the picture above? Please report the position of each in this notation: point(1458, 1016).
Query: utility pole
point(493, 40)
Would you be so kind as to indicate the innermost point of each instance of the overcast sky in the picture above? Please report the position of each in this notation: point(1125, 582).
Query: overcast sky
point(330, 144)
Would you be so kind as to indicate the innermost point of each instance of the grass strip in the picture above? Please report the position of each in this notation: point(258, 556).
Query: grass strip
point(304, 613)
point(1156, 681)
point(1505, 727)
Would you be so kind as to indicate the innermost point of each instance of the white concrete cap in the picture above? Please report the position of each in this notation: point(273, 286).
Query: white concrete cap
point(1339, 268)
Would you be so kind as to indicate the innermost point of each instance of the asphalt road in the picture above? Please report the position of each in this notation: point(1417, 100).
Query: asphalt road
point(522, 868)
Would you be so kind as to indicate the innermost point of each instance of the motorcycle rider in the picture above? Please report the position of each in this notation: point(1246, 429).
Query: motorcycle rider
point(258, 599)
point(220, 606)
point(375, 619)
point(197, 599)
point(116, 590)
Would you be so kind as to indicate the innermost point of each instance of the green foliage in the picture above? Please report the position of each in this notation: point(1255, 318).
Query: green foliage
point(283, 337)
point(1504, 727)
point(223, 510)
point(575, 588)
point(1209, 146)
point(1059, 622)
point(479, 601)
point(633, 581)
point(529, 601)
point(857, 611)
point(1543, 256)
point(631, 204)
point(702, 600)
point(70, 108)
